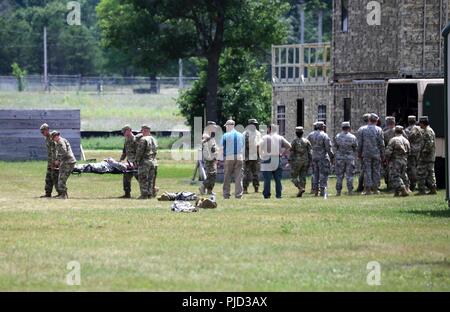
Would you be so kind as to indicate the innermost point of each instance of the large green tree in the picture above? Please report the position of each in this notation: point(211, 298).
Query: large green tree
point(160, 30)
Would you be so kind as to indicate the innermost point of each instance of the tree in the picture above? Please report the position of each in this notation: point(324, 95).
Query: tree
point(160, 30)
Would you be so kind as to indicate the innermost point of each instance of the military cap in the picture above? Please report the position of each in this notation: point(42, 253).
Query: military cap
point(230, 122)
point(126, 127)
point(299, 129)
point(366, 117)
point(346, 124)
point(211, 123)
point(412, 118)
point(43, 127)
point(390, 119)
point(423, 119)
point(374, 116)
point(54, 133)
point(145, 126)
point(399, 129)
point(253, 121)
point(315, 123)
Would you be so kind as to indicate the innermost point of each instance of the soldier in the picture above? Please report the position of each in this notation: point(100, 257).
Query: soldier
point(371, 151)
point(361, 171)
point(346, 146)
point(389, 133)
point(209, 154)
point(252, 139)
point(397, 152)
point(414, 135)
point(321, 159)
point(299, 160)
point(65, 162)
point(315, 128)
point(427, 155)
point(51, 177)
point(129, 153)
point(146, 160)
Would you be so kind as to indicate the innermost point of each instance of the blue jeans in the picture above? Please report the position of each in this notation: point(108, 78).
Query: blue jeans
point(277, 175)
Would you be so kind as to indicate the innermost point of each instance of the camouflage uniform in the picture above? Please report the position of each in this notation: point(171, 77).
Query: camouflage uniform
point(345, 148)
point(371, 150)
point(425, 164)
point(397, 153)
point(129, 153)
point(252, 167)
point(299, 160)
point(321, 153)
point(67, 162)
point(414, 134)
point(51, 177)
point(210, 153)
point(389, 133)
point(146, 160)
point(361, 171)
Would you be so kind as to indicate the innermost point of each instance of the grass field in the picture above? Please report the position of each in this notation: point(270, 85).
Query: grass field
point(116, 142)
point(253, 245)
point(107, 112)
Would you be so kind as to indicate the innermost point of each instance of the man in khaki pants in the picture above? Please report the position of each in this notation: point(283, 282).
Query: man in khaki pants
point(233, 150)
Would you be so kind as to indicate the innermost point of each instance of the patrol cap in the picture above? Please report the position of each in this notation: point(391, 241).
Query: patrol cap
point(374, 117)
point(211, 123)
point(126, 127)
point(390, 119)
point(43, 127)
point(54, 133)
point(346, 124)
point(412, 118)
point(299, 129)
point(424, 119)
point(253, 121)
point(366, 117)
point(399, 129)
point(230, 122)
point(145, 126)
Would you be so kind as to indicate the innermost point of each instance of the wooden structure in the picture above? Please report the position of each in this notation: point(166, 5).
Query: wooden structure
point(20, 138)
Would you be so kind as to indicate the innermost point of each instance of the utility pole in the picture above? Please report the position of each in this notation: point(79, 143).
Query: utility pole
point(45, 60)
point(301, 13)
point(320, 27)
point(180, 74)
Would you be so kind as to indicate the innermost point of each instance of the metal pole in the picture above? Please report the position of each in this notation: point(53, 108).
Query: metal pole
point(180, 74)
point(302, 23)
point(320, 27)
point(45, 60)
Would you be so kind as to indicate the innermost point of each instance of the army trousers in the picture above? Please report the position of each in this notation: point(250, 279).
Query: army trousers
point(321, 170)
point(146, 177)
point(425, 175)
point(412, 170)
point(251, 173)
point(398, 178)
point(344, 167)
point(211, 173)
point(372, 172)
point(127, 177)
point(299, 171)
point(65, 169)
point(51, 180)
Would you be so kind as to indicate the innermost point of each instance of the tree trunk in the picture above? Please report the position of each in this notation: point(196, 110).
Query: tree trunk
point(212, 86)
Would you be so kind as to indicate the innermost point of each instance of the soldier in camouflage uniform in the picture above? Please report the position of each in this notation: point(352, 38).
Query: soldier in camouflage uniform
point(397, 152)
point(209, 154)
point(371, 151)
point(361, 171)
point(299, 160)
point(427, 156)
point(65, 161)
point(345, 145)
point(51, 177)
point(414, 135)
point(146, 160)
point(389, 133)
point(315, 128)
point(252, 167)
point(129, 153)
point(321, 159)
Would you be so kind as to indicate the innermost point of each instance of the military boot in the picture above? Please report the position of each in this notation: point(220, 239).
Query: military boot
point(256, 189)
point(367, 191)
point(350, 193)
point(403, 192)
point(62, 195)
point(300, 192)
point(433, 191)
point(421, 193)
point(397, 193)
point(46, 195)
point(245, 191)
point(127, 195)
point(338, 193)
point(143, 197)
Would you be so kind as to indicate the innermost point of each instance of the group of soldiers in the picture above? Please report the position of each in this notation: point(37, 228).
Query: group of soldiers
point(139, 151)
point(405, 156)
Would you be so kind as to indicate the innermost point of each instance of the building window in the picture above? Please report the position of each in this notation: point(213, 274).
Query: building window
point(300, 113)
point(347, 109)
point(281, 119)
point(344, 15)
point(322, 113)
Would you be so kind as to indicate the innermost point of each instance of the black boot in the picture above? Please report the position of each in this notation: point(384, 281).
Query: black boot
point(127, 195)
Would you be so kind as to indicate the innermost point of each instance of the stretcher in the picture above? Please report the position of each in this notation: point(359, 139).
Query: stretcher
point(106, 166)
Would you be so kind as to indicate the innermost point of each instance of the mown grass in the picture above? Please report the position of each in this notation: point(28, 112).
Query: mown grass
point(250, 244)
point(107, 112)
point(116, 142)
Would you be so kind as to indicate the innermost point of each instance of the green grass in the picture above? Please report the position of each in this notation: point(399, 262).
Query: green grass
point(107, 112)
point(248, 245)
point(116, 142)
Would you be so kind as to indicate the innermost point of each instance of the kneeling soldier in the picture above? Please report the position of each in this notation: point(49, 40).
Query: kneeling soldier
point(65, 161)
point(397, 152)
point(146, 160)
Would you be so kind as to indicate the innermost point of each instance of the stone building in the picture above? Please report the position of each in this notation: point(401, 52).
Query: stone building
point(373, 43)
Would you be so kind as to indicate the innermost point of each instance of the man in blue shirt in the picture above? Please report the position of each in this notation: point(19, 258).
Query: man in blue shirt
point(233, 156)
